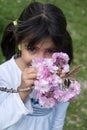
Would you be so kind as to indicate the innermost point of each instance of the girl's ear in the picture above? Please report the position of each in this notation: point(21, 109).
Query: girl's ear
point(19, 47)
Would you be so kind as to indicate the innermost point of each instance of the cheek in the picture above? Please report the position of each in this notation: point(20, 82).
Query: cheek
point(26, 57)
point(48, 56)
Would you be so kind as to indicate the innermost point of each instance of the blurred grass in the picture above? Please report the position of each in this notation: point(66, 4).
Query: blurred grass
point(76, 14)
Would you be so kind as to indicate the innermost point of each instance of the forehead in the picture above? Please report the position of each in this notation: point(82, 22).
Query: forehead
point(45, 43)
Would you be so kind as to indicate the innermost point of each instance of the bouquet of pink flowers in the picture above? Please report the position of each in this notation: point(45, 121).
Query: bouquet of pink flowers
point(53, 83)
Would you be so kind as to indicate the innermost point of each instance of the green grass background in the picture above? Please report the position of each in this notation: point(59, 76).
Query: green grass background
point(76, 14)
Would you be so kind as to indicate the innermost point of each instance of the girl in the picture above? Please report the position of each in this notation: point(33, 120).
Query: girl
point(40, 31)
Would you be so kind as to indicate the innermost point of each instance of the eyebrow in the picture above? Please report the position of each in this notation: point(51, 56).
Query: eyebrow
point(53, 48)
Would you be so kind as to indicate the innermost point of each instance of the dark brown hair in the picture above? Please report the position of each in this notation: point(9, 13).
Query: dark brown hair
point(36, 22)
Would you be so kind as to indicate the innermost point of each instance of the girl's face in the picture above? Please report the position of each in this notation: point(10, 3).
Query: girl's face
point(43, 49)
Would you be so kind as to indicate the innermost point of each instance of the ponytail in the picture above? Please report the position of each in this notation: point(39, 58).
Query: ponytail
point(8, 42)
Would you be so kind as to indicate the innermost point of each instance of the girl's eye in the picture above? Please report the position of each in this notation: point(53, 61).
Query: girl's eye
point(32, 49)
point(51, 51)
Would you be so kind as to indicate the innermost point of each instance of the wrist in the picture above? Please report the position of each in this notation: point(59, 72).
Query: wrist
point(24, 92)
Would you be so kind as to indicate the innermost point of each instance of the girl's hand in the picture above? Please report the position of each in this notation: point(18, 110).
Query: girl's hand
point(27, 80)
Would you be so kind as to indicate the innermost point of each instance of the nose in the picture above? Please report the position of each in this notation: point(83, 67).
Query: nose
point(41, 54)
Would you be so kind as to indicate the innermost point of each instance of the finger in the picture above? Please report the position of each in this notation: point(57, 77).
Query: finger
point(29, 77)
point(29, 83)
point(30, 70)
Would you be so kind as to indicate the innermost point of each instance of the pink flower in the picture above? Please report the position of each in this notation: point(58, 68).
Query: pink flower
point(49, 86)
point(42, 85)
point(46, 102)
point(60, 58)
point(65, 68)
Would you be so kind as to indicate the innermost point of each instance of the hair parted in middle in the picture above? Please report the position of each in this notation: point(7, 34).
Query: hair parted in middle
point(39, 21)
